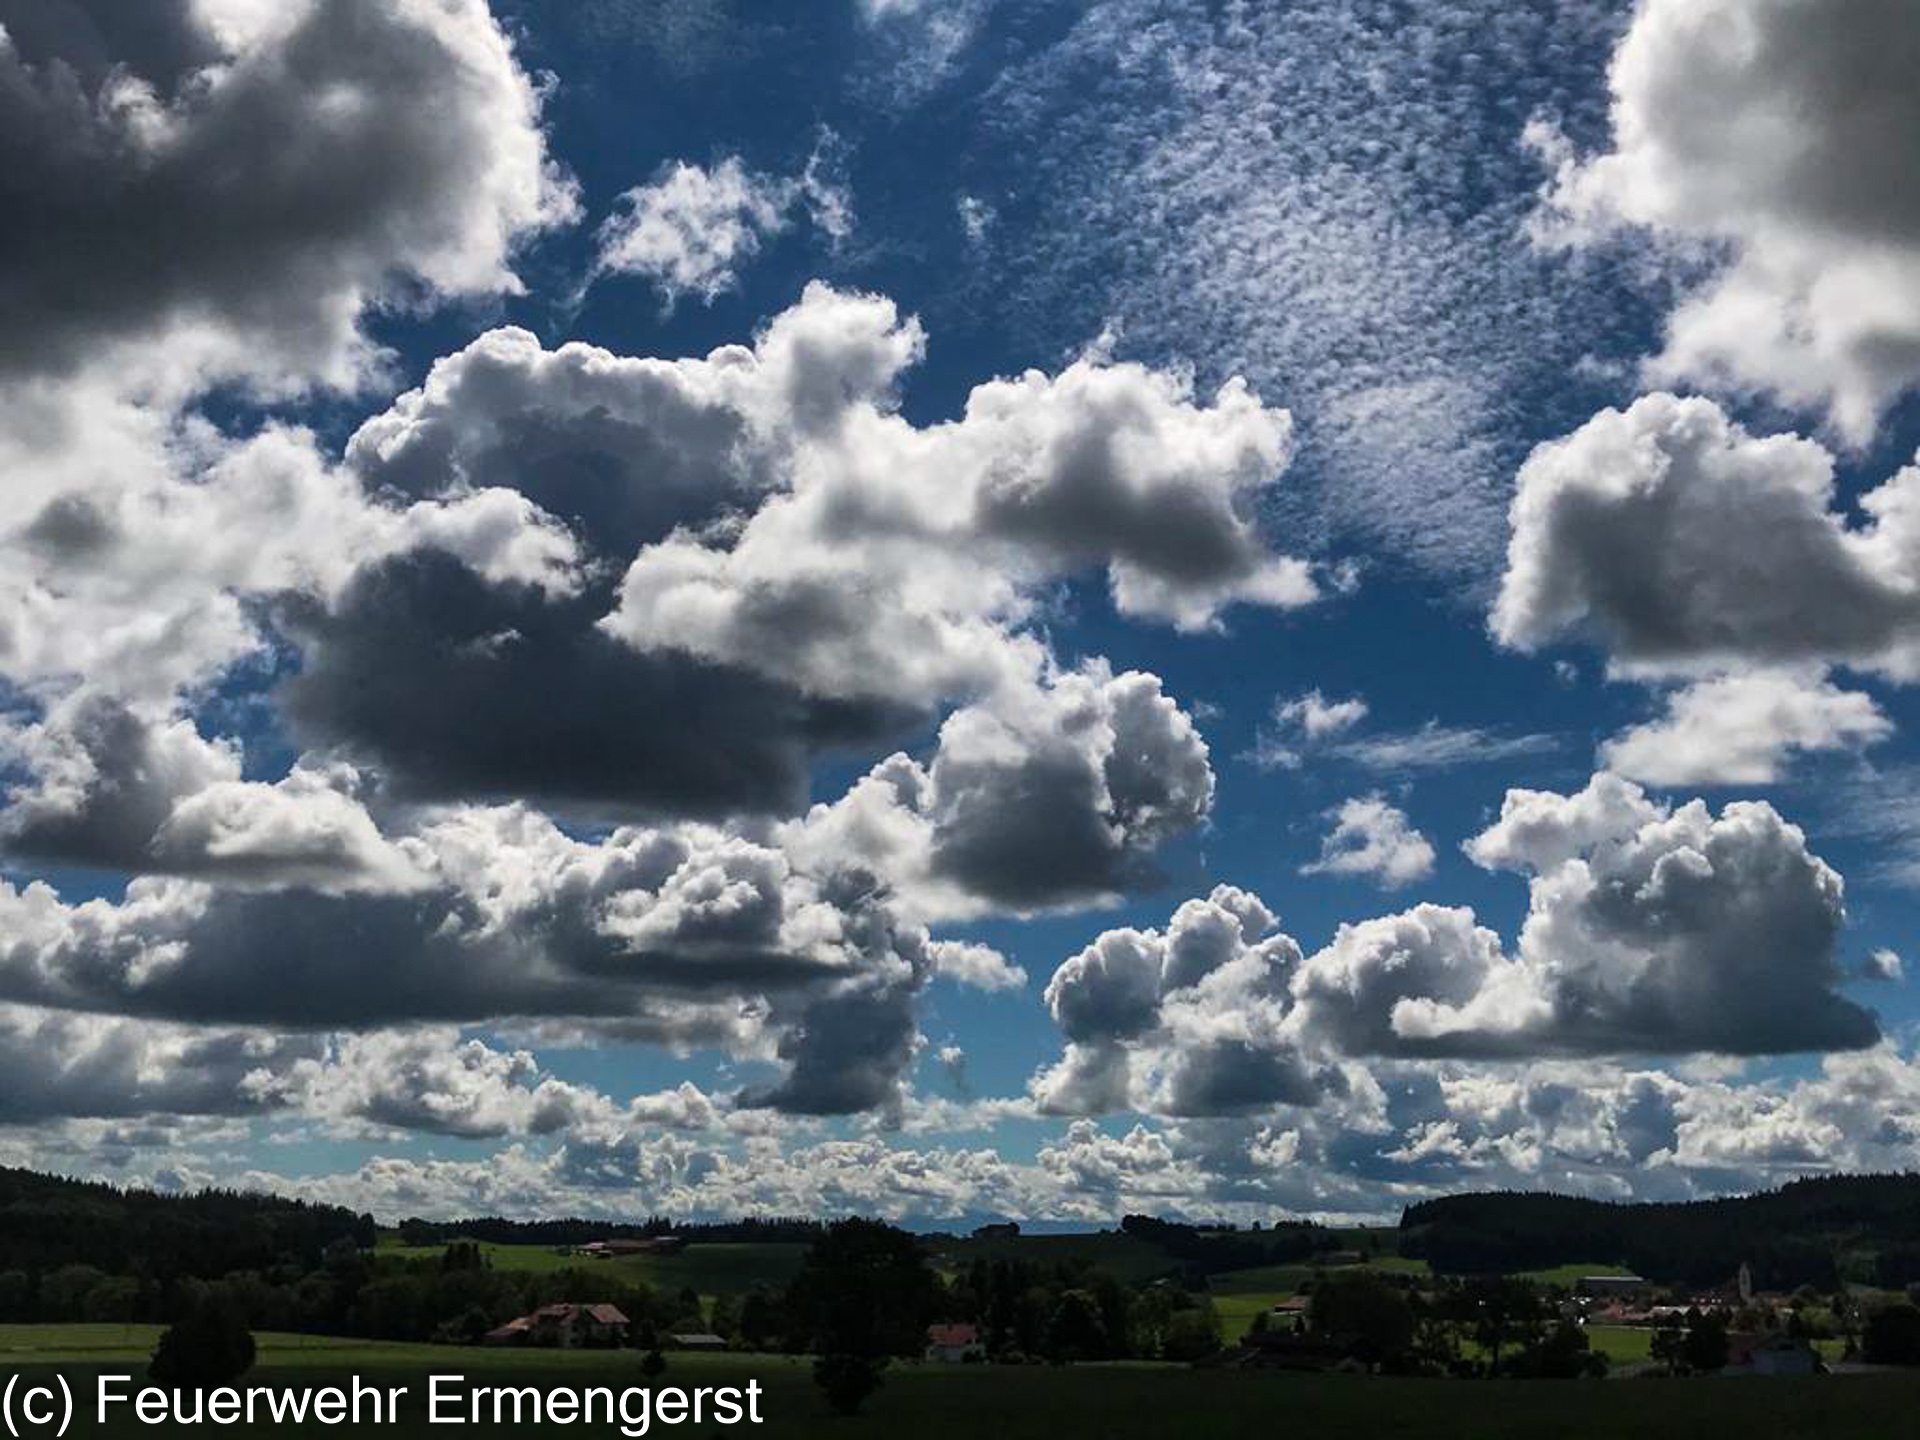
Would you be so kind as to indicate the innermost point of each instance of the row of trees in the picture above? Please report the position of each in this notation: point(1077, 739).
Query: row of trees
point(452, 1298)
point(1212, 1250)
point(47, 1223)
point(1382, 1322)
point(1790, 1236)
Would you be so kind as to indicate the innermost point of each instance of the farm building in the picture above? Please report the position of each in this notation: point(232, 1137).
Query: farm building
point(1289, 1314)
point(700, 1340)
point(611, 1249)
point(954, 1344)
point(564, 1327)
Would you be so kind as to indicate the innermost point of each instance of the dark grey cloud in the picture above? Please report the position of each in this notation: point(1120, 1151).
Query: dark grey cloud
point(844, 1055)
point(1041, 796)
point(682, 938)
point(1680, 542)
point(1234, 1077)
point(92, 786)
point(458, 689)
point(624, 450)
point(247, 190)
point(60, 1066)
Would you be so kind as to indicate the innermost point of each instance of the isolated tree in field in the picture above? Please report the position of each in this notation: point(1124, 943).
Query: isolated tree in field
point(864, 1293)
point(847, 1380)
point(462, 1255)
point(865, 1289)
point(209, 1344)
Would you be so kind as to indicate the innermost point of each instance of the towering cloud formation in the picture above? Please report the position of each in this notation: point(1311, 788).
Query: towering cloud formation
point(1781, 135)
point(1650, 931)
point(1188, 1020)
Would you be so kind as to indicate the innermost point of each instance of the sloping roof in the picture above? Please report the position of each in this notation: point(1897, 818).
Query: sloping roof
point(567, 1310)
point(953, 1335)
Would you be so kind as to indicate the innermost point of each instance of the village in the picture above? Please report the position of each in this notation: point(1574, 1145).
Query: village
point(1349, 1315)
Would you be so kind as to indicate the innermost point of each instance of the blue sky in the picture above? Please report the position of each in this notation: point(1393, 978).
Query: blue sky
point(500, 481)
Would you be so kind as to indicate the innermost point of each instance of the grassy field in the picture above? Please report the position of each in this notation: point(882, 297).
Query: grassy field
point(707, 1269)
point(1236, 1312)
point(936, 1402)
point(1621, 1344)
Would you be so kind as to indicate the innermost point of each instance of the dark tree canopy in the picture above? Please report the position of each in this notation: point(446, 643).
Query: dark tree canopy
point(865, 1289)
point(1789, 1237)
point(208, 1345)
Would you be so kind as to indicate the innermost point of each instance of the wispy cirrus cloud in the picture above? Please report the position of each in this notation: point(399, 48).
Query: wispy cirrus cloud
point(1312, 726)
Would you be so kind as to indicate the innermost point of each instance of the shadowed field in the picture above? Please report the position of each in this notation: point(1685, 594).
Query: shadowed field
point(1012, 1403)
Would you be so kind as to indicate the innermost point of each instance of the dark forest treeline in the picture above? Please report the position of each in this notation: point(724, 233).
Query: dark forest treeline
point(47, 1221)
point(1211, 1250)
point(1796, 1235)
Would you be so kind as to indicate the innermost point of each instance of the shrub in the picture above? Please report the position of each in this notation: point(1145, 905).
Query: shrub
point(208, 1345)
point(847, 1380)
